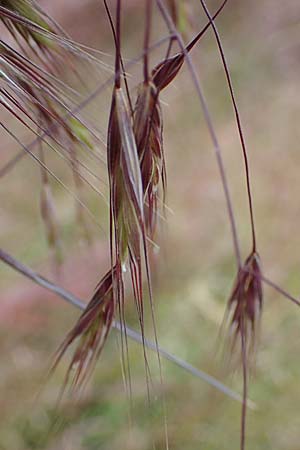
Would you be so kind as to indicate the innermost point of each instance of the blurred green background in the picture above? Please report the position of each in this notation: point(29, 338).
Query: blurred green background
point(195, 268)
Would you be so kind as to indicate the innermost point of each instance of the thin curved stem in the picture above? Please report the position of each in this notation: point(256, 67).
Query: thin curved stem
point(238, 121)
point(208, 119)
point(245, 384)
point(147, 38)
point(118, 46)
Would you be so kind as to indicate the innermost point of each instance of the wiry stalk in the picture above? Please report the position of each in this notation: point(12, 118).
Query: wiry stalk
point(217, 149)
point(238, 120)
point(243, 329)
point(245, 386)
point(147, 39)
point(166, 70)
point(118, 46)
point(122, 63)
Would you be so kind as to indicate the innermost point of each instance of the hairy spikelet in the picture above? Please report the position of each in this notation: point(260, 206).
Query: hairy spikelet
point(137, 176)
point(127, 221)
point(126, 191)
point(245, 303)
point(91, 332)
point(148, 130)
point(165, 72)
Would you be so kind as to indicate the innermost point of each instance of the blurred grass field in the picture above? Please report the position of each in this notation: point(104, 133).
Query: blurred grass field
point(195, 269)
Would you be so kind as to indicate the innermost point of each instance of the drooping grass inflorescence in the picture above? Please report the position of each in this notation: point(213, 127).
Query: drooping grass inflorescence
point(148, 130)
point(244, 310)
point(246, 300)
point(148, 127)
point(136, 172)
point(127, 229)
point(91, 329)
point(245, 304)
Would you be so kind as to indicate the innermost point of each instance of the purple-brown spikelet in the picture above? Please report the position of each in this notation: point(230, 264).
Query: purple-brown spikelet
point(148, 127)
point(148, 130)
point(136, 171)
point(91, 330)
point(165, 72)
point(127, 235)
point(126, 193)
point(244, 311)
point(246, 302)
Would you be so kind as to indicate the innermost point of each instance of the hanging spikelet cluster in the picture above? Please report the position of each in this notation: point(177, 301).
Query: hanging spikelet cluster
point(148, 131)
point(91, 329)
point(32, 91)
point(137, 182)
point(126, 192)
point(245, 303)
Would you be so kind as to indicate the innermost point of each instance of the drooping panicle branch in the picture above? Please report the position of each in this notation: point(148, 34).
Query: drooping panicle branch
point(238, 121)
point(210, 126)
point(164, 72)
point(118, 46)
point(148, 21)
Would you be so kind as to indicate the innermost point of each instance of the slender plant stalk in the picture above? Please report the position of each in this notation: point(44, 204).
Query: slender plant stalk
point(238, 120)
point(245, 385)
point(280, 290)
point(250, 203)
point(147, 38)
point(122, 63)
point(118, 46)
point(148, 22)
point(217, 149)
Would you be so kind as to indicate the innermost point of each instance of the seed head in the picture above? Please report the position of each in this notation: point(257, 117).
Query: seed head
point(246, 301)
point(91, 330)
